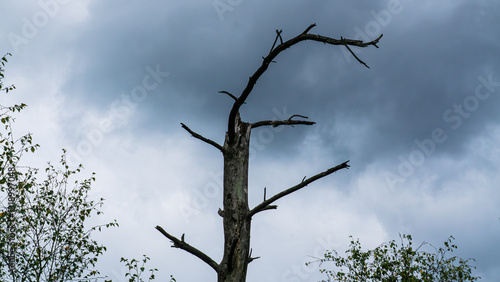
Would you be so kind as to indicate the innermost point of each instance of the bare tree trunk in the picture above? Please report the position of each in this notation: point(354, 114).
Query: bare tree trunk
point(236, 214)
point(233, 267)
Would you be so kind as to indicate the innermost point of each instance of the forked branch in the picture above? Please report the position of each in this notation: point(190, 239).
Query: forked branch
point(277, 50)
point(278, 35)
point(206, 140)
point(276, 123)
point(266, 203)
point(181, 244)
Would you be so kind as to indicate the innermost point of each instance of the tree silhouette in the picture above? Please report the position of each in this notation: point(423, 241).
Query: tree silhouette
point(237, 215)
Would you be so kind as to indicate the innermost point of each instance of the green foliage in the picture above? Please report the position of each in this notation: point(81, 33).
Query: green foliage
point(392, 262)
point(52, 243)
point(43, 236)
point(42, 232)
point(3, 60)
point(135, 271)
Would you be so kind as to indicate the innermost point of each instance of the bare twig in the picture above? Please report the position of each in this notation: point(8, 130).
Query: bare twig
point(206, 140)
point(266, 204)
point(270, 207)
point(278, 35)
point(374, 43)
point(359, 60)
point(181, 244)
point(290, 118)
point(250, 258)
point(309, 28)
point(229, 94)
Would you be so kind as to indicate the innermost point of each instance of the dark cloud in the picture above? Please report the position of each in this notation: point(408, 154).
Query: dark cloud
point(424, 77)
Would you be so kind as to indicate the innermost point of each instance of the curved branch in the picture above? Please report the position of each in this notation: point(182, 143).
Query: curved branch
point(265, 205)
point(272, 54)
point(206, 140)
point(181, 244)
point(229, 94)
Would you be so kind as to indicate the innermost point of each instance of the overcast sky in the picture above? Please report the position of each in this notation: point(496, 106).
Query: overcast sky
point(111, 81)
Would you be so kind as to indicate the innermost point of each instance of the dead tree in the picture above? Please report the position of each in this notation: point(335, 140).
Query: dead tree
point(236, 214)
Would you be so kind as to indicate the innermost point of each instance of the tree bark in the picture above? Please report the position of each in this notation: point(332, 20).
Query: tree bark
point(233, 267)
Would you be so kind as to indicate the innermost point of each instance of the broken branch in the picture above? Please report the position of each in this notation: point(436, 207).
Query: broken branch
point(181, 244)
point(206, 140)
point(276, 123)
point(250, 258)
point(289, 121)
point(266, 204)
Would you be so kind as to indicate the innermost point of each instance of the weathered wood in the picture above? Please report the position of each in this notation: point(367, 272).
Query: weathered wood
point(233, 267)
